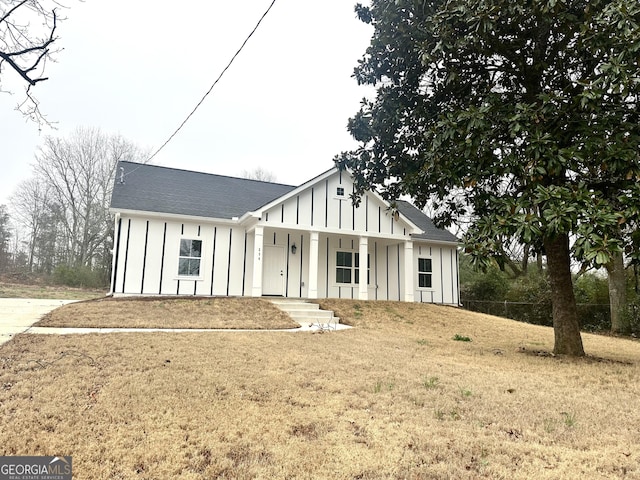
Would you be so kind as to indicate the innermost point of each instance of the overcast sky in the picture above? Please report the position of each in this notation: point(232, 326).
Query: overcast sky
point(137, 68)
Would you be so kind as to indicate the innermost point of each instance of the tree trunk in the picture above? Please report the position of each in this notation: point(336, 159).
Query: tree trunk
point(525, 258)
point(565, 313)
point(620, 322)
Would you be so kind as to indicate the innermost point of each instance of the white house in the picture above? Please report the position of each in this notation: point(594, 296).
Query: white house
point(179, 232)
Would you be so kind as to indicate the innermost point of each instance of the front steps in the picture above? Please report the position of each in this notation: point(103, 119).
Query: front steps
point(306, 313)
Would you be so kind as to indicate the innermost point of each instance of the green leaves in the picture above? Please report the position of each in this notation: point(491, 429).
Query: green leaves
point(523, 113)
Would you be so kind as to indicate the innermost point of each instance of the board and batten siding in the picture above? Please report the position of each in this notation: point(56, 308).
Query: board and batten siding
point(146, 262)
point(147, 251)
point(445, 281)
point(319, 207)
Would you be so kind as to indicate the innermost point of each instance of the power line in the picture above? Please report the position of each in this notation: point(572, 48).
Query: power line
point(212, 85)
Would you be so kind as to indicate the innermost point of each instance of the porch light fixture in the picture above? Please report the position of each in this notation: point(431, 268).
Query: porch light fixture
point(294, 249)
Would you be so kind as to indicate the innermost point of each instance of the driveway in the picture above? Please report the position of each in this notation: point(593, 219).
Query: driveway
point(18, 314)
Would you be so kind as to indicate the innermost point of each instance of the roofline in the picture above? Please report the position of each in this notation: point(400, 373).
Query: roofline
point(172, 216)
point(437, 242)
point(202, 173)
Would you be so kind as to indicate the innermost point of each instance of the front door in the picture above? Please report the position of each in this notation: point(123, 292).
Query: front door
point(273, 270)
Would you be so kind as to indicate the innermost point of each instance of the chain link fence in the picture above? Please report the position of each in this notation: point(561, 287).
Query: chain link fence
point(593, 316)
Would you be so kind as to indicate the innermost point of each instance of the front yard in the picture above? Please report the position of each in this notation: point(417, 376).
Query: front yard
point(172, 312)
point(396, 397)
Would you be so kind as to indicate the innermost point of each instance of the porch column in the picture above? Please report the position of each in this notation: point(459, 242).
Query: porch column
point(313, 266)
point(408, 271)
point(363, 287)
point(258, 244)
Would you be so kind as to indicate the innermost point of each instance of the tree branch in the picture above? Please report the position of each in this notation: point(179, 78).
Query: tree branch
point(43, 48)
point(25, 52)
point(8, 14)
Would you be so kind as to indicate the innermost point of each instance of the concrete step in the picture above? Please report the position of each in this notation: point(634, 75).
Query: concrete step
point(307, 313)
point(295, 305)
point(310, 314)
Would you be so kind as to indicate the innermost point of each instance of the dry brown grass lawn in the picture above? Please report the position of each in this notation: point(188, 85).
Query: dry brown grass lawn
point(15, 290)
point(192, 312)
point(395, 398)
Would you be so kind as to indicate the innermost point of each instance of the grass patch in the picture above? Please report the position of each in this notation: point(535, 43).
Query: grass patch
point(431, 382)
point(153, 312)
point(465, 392)
point(461, 338)
point(293, 405)
point(14, 290)
point(569, 419)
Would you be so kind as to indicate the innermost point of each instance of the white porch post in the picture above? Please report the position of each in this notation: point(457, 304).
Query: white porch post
point(313, 266)
point(258, 244)
point(363, 287)
point(408, 271)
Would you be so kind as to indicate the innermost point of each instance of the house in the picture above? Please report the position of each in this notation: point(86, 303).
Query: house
point(180, 232)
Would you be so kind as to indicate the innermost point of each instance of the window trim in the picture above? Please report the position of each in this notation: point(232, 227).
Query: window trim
point(199, 276)
point(344, 196)
point(353, 268)
point(429, 273)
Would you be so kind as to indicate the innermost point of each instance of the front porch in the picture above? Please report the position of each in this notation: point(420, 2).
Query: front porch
point(300, 264)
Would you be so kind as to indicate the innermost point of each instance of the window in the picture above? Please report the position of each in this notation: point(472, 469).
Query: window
point(424, 272)
point(348, 267)
point(344, 267)
point(340, 192)
point(190, 256)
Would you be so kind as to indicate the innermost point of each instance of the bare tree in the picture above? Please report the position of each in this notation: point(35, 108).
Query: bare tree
point(27, 38)
point(260, 174)
point(78, 172)
point(5, 238)
point(30, 205)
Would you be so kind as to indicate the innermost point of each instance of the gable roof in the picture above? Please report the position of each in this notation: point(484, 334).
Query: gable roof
point(152, 188)
point(431, 232)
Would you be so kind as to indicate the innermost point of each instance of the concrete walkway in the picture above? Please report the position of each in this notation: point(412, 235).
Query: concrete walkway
point(17, 315)
point(80, 330)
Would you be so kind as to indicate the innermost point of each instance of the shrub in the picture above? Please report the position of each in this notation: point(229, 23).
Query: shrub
point(477, 285)
point(527, 298)
point(81, 276)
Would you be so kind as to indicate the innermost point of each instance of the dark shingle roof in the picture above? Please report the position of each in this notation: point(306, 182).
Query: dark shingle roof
point(423, 222)
point(151, 188)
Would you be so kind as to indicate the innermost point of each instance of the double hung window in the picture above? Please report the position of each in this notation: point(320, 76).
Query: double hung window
point(348, 268)
point(344, 267)
point(424, 272)
point(190, 257)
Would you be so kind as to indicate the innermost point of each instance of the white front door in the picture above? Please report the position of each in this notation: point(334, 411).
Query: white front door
point(273, 270)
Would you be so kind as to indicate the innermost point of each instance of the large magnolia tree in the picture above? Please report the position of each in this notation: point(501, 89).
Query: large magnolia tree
point(522, 114)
